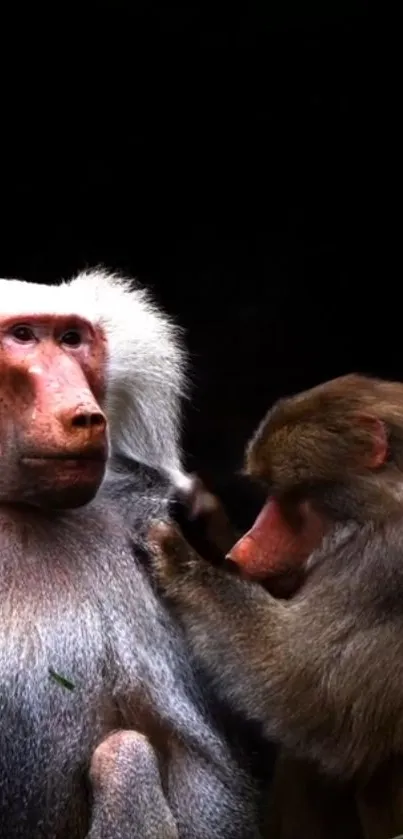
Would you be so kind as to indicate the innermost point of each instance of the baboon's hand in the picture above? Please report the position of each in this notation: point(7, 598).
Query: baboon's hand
point(171, 555)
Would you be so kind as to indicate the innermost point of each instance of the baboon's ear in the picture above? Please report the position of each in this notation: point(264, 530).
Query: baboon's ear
point(378, 447)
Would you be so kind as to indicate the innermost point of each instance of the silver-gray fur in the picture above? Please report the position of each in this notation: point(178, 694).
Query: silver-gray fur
point(76, 602)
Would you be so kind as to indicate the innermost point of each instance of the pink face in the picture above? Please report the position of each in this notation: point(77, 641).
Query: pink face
point(273, 546)
point(53, 433)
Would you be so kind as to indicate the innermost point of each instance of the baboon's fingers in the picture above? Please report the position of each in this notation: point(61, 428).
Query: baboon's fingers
point(128, 796)
point(170, 553)
point(165, 539)
point(163, 536)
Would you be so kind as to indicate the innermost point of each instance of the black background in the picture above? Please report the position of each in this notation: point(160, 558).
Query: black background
point(240, 162)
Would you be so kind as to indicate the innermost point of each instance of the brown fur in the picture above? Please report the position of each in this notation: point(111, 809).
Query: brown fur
point(323, 439)
point(323, 671)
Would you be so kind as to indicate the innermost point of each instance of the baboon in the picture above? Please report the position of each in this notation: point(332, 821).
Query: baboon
point(322, 671)
point(106, 730)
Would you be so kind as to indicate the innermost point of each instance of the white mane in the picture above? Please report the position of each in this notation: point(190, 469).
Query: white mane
point(146, 361)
